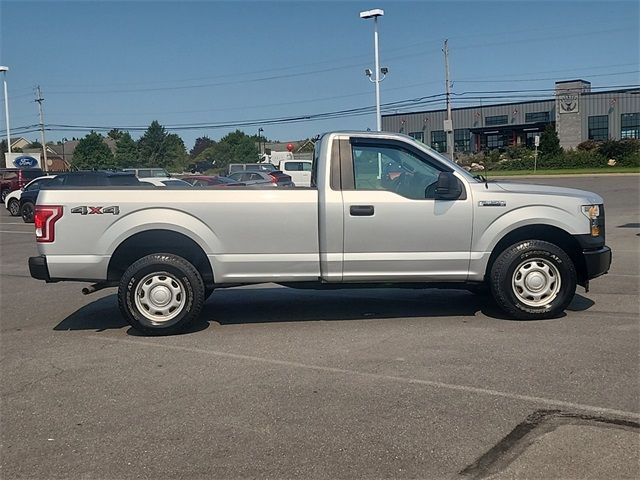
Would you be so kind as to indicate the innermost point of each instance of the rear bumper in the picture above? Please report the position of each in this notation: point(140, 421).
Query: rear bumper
point(38, 268)
point(597, 262)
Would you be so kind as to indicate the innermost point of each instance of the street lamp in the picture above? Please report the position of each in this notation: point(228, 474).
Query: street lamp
point(375, 13)
point(4, 70)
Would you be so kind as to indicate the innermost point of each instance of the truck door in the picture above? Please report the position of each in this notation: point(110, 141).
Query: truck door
point(394, 228)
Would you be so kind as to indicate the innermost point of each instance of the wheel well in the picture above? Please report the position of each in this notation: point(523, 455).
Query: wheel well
point(159, 241)
point(546, 233)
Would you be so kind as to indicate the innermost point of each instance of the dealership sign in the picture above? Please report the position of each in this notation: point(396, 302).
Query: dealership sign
point(22, 160)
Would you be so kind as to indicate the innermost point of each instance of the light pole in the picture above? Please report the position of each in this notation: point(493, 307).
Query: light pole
point(4, 70)
point(375, 13)
point(260, 130)
point(64, 159)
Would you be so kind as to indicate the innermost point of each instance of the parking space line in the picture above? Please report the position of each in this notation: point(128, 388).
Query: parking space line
point(11, 231)
point(392, 378)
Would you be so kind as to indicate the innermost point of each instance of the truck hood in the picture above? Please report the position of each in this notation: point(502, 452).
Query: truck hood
point(529, 189)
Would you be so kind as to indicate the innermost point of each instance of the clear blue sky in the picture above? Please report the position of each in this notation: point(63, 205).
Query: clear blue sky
point(120, 64)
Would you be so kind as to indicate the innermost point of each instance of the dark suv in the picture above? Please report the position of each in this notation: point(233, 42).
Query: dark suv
point(15, 178)
point(75, 179)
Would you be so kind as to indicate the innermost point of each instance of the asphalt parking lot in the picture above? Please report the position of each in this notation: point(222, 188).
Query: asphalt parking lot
point(279, 383)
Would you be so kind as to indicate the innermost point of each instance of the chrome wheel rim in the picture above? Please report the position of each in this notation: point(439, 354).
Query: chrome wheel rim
point(536, 282)
point(160, 297)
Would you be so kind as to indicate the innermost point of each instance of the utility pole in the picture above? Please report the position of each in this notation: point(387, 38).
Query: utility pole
point(448, 123)
point(39, 100)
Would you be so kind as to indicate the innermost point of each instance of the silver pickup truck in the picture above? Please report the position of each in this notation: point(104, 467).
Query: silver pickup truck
point(382, 209)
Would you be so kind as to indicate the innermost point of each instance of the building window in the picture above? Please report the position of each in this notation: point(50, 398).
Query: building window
point(417, 135)
point(599, 127)
point(497, 120)
point(535, 117)
point(630, 125)
point(495, 141)
point(462, 139)
point(439, 141)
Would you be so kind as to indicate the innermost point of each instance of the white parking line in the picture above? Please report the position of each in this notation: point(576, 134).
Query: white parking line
point(415, 381)
point(22, 233)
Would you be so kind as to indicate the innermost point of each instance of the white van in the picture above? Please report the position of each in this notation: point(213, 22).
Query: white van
point(298, 170)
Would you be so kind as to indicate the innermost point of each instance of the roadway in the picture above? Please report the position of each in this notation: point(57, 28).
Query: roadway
point(279, 383)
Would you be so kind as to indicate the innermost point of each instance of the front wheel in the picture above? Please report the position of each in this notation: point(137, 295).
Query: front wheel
point(161, 294)
point(3, 195)
point(27, 211)
point(533, 280)
point(14, 207)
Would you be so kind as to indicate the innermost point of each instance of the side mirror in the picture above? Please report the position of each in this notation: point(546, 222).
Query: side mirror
point(448, 187)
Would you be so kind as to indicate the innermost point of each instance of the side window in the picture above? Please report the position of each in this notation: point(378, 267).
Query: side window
point(33, 186)
point(306, 166)
point(255, 176)
point(393, 169)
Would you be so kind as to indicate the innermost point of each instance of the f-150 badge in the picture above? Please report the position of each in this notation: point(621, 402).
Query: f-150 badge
point(86, 210)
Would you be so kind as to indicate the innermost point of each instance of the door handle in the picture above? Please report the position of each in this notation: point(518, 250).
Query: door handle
point(361, 210)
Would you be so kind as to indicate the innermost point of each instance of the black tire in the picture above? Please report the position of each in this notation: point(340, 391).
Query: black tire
point(533, 280)
point(27, 211)
point(3, 195)
point(14, 207)
point(161, 294)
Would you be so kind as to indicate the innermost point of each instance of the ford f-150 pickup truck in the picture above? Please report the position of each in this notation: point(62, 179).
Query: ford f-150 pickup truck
point(383, 209)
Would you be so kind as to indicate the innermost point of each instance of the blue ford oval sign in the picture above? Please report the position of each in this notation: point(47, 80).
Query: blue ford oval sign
point(25, 161)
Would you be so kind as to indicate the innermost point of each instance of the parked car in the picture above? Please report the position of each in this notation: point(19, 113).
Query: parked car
point(254, 167)
point(264, 179)
point(12, 179)
point(148, 172)
point(211, 180)
point(167, 182)
point(98, 178)
point(298, 170)
point(12, 201)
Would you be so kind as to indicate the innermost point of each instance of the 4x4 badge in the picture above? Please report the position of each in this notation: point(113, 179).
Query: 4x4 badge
point(86, 210)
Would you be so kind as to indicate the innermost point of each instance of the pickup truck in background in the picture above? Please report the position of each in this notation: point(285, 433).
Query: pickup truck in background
point(383, 209)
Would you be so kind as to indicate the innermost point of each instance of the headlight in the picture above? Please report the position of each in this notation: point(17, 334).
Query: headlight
point(592, 212)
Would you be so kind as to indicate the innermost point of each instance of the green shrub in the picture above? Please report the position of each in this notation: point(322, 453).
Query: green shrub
point(618, 149)
point(588, 145)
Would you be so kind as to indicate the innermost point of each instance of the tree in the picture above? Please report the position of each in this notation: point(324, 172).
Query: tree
point(92, 153)
point(151, 146)
point(549, 142)
point(202, 143)
point(126, 151)
point(176, 157)
point(3, 150)
point(115, 134)
point(241, 147)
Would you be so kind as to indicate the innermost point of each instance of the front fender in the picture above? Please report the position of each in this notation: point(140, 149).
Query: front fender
point(495, 230)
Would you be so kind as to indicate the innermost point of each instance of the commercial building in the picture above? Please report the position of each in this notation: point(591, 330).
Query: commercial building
point(578, 114)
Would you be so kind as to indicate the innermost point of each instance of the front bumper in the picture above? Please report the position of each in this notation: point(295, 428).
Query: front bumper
point(597, 262)
point(38, 268)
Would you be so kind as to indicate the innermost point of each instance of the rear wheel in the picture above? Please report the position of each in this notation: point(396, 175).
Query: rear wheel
point(3, 195)
point(14, 207)
point(161, 294)
point(533, 280)
point(27, 211)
